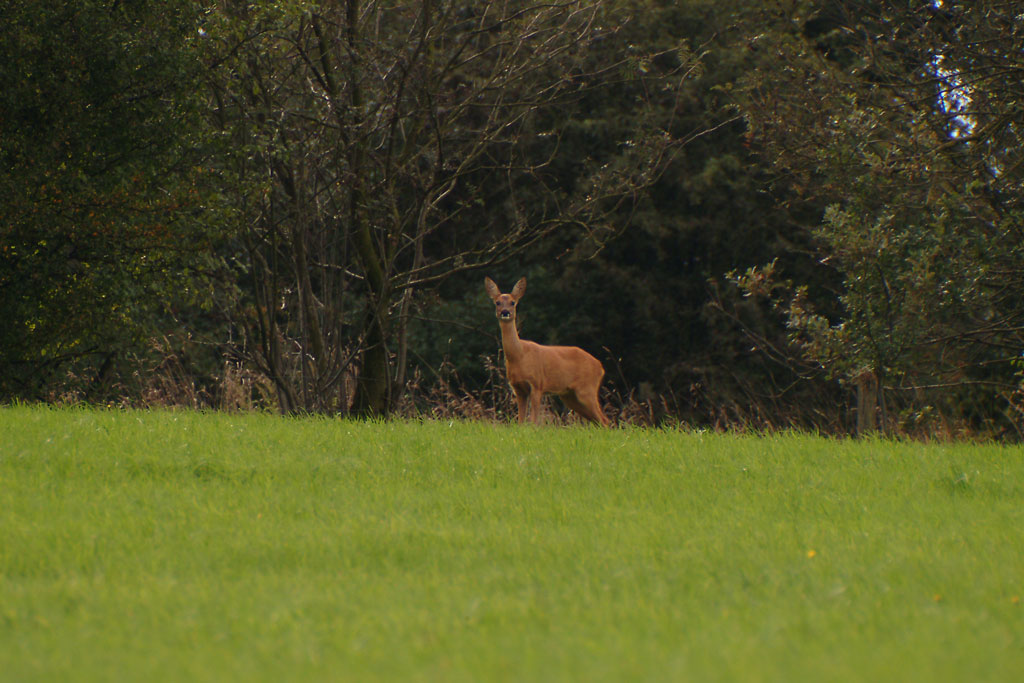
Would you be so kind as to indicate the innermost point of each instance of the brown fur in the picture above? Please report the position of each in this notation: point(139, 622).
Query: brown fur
point(534, 369)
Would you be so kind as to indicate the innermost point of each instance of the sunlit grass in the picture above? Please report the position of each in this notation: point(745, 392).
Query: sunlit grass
point(182, 546)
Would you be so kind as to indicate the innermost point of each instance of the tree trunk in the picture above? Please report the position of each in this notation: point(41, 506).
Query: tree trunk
point(372, 387)
point(372, 397)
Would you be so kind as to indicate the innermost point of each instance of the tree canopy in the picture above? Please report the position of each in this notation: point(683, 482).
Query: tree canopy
point(743, 209)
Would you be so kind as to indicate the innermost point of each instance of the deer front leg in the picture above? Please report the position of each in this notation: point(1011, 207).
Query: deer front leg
point(522, 392)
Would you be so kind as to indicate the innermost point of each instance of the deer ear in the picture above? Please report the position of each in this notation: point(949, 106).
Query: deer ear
point(519, 289)
point(492, 289)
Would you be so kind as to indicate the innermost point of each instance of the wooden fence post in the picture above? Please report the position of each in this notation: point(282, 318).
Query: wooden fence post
point(867, 402)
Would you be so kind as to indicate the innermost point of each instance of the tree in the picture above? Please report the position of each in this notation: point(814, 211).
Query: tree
point(96, 163)
point(380, 148)
point(902, 122)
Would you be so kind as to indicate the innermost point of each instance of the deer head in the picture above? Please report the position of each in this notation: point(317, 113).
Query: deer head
point(505, 304)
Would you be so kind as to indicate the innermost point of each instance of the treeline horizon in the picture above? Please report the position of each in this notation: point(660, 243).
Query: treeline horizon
point(802, 214)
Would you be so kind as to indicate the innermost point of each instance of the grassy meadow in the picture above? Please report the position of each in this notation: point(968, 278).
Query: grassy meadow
point(178, 546)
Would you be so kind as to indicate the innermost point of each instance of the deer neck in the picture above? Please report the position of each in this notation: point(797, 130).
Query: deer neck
point(510, 341)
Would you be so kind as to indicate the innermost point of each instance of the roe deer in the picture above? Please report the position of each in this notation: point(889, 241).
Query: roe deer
point(533, 369)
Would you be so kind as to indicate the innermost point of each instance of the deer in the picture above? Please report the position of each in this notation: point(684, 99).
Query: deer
point(533, 369)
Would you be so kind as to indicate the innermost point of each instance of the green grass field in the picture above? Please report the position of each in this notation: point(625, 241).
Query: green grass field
point(152, 546)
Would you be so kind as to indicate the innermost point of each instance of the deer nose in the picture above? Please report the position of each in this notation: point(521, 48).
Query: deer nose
point(505, 314)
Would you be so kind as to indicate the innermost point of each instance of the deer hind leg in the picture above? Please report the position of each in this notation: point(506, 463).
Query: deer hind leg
point(536, 405)
point(586, 406)
point(573, 404)
point(592, 404)
point(599, 415)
